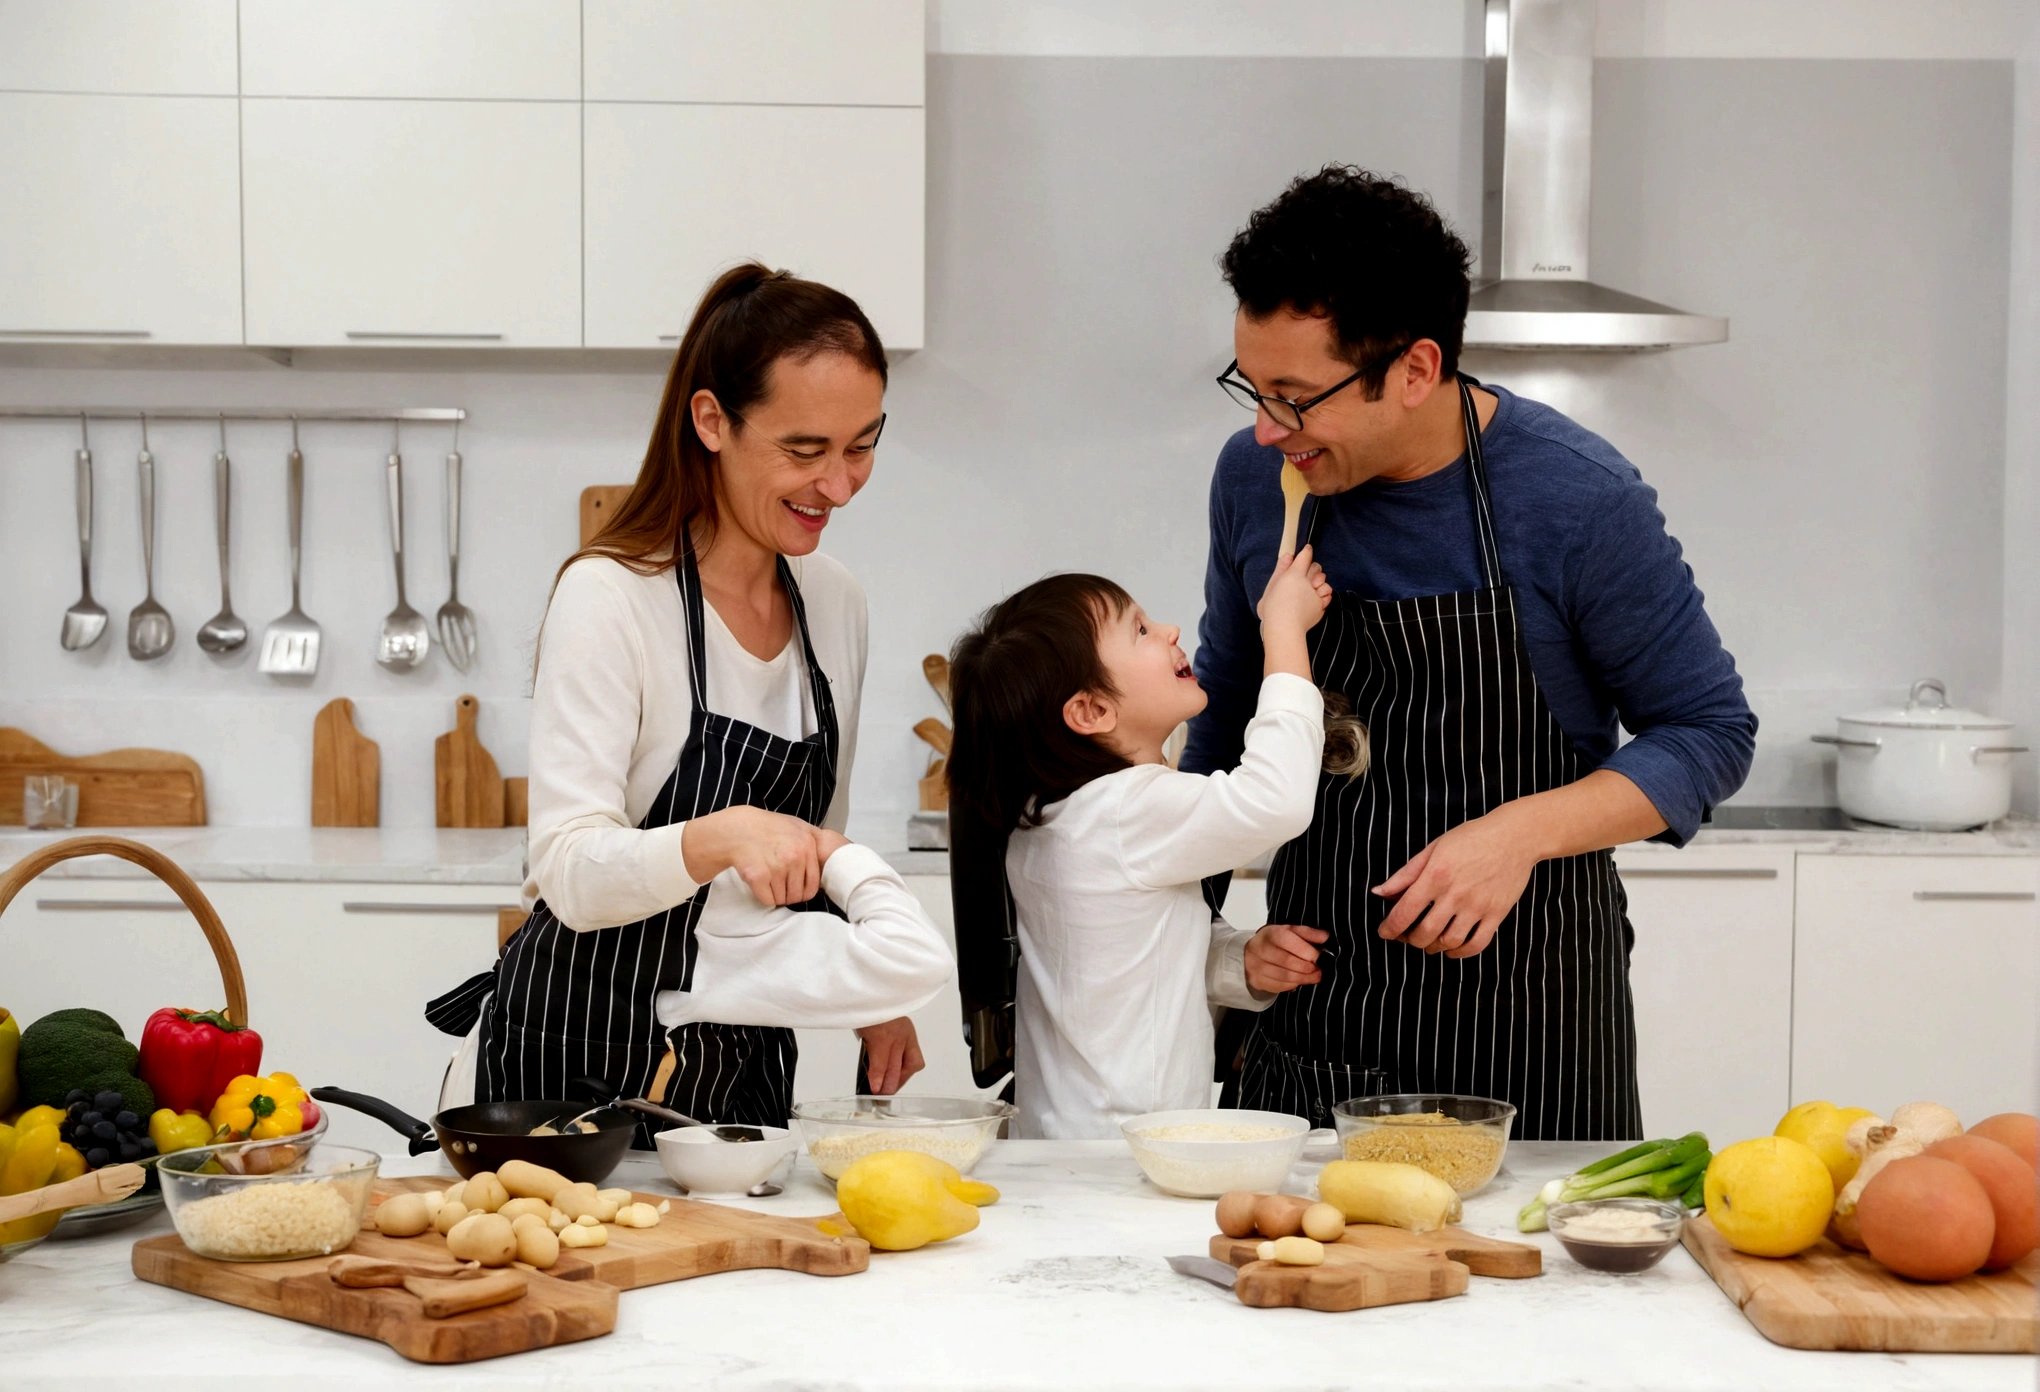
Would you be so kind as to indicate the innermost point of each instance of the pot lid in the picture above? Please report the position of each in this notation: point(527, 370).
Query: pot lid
point(1926, 708)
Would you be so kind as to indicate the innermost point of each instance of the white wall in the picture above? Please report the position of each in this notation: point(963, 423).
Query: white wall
point(2022, 422)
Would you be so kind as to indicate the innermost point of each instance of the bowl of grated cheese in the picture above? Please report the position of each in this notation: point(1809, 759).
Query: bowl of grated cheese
point(1204, 1152)
point(842, 1130)
point(1459, 1139)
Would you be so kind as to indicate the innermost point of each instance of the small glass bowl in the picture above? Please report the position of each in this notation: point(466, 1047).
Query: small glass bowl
point(839, 1131)
point(1623, 1256)
point(310, 1210)
point(1465, 1149)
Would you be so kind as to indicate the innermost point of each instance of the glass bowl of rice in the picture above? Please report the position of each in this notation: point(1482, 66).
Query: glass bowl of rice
point(1459, 1139)
point(1205, 1152)
point(839, 1131)
point(311, 1209)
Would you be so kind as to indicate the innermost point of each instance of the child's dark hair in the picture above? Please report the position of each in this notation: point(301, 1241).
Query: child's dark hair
point(1009, 678)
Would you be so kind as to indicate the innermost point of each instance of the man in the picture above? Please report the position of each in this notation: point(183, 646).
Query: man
point(1506, 593)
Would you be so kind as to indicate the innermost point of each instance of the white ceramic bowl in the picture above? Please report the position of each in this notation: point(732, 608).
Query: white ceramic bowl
point(699, 1163)
point(1208, 1151)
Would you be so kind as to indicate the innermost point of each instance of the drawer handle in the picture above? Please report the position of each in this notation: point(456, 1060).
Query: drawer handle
point(379, 906)
point(75, 333)
point(110, 905)
point(1696, 874)
point(669, 338)
point(428, 337)
point(1848, 743)
point(1974, 896)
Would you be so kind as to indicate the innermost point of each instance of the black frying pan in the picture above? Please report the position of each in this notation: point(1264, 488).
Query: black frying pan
point(483, 1135)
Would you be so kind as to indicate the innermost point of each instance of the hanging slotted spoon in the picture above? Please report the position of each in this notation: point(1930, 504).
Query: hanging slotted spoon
point(224, 631)
point(150, 632)
point(85, 621)
point(290, 645)
point(456, 622)
point(406, 637)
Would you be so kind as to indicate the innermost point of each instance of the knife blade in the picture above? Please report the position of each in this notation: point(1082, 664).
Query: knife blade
point(1205, 1269)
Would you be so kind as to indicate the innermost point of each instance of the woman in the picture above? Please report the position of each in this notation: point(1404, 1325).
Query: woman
point(693, 722)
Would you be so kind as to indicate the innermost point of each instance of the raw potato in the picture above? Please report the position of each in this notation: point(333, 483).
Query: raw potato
point(1236, 1213)
point(1324, 1223)
point(485, 1193)
point(487, 1238)
point(525, 1180)
point(433, 1199)
point(637, 1215)
point(622, 1198)
point(575, 1235)
point(518, 1208)
point(448, 1215)
point(403, 1215)
point(577, 1199)
point(536, 1243)
point(455, 1191)
point(1292, 1251)
point(556, 1220)
point(587, 1220)
point(1378, 1191)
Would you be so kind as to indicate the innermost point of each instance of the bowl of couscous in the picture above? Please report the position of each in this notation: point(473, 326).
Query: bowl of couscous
point(1459, 1139)
point(309, 1210)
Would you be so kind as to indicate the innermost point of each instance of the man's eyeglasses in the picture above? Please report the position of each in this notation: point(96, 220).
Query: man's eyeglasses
point(1284, 411)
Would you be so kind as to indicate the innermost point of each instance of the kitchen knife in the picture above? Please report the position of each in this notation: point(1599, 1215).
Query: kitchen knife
point(1205, 1269)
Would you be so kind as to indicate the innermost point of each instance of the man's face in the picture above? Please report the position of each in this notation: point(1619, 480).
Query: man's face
point(1346, 439)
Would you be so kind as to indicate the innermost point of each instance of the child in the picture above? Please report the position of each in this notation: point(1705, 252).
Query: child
point(1064, 695)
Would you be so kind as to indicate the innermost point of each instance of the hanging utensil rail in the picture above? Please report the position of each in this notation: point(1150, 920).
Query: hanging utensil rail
point(193, 413)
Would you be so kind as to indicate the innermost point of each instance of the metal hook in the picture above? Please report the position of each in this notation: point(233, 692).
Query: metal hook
point(293, 432)
point(145, 430)
point(396, 434)
point(456, 435)
point(84, 440)
point(223, 432)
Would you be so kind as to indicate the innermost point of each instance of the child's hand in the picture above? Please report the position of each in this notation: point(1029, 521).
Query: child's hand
point(1297, 594)
point(827, 842)
point(1283, 956)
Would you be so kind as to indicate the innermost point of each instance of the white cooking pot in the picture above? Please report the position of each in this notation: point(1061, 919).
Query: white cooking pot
point(1927, 766)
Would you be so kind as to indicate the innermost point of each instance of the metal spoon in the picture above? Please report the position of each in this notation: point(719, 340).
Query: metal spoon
point(84, 621)
point(406, 637)
point(224, 631)
point(150, 632)
point(456, 621)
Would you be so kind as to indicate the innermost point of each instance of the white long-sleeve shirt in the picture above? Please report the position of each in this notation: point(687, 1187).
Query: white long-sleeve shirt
point(1120, 958)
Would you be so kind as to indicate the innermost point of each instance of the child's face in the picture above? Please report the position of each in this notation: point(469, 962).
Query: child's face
point(1157, 689)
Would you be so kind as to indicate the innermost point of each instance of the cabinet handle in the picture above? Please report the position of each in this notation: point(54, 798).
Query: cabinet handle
point(75, 333)
point(1974, 896)
point(379, 906)
point(429, 337)
point(669, 338)
point(110, 905)
point(1696, 874)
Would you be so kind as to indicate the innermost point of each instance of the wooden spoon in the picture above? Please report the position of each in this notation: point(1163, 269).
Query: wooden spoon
point(935, 667)
point(1294, 491)
point(935, 733)
point(109, 1185)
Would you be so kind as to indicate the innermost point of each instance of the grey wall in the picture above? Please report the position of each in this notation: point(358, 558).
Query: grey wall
point(1835, 470)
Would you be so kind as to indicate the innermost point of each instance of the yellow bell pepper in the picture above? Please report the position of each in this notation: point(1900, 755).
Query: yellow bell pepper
point(33, 1159)
point(64, 1163)
point(8, 1135)
point(172, 1131)
point(70, 1163)
point(10, 1049)
point(39, 1116)
point(262, 1108)
point(286, 1120)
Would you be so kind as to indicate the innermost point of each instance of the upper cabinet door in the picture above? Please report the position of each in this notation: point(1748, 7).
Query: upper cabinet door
point(677, 193)
point(478, 49)
point(436, 222)
point(797, 52)
point(136, 47)
point(121, 220)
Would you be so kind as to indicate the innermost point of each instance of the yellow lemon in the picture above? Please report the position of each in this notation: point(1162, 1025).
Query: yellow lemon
point(1770, 1197)
point(1824, 1128)
point(902, 1199)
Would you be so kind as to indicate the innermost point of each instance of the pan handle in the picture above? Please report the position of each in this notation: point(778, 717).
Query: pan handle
point(606, 1092)
point(396, 1118)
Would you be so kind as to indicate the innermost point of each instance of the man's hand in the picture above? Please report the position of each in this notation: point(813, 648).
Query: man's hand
point(893, 1051)
point(1283, 956)
point(1457, 890)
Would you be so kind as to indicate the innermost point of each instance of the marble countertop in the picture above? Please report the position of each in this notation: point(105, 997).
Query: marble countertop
point(1062, 1286)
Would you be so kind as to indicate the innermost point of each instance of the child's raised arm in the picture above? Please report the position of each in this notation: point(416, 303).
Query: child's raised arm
point(1290, 607)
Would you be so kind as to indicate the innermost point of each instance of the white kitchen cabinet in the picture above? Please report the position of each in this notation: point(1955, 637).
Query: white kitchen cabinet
point(470, 49)
point(796, 52)
point(675, 194)
point(422, 222)
point(1915, 978)
point(118, 46)
point(1711, 974)
point(121, 220)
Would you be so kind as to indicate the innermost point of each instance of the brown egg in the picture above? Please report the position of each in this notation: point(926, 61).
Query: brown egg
point(2014, 1195)
point(1927, 1218)
point(2015, 1131)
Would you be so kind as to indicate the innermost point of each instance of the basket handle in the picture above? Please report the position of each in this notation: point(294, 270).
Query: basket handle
point(16, 878)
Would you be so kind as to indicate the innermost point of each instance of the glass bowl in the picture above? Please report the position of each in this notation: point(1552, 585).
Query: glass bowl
point(1623, 1236)
point(309, 1210)
point(1204, 1152)
point(841, 1130)
point(1459, 1139)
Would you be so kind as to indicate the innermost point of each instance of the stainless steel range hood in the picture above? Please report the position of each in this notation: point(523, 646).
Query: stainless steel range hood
point(1533, 290)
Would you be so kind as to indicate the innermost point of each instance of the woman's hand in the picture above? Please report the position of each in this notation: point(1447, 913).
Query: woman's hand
point(775, 855)
point(1283, 956)
point(893, 1051)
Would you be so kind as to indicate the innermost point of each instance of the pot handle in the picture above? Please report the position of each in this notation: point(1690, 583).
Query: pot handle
point(396, 1118)
point(1922, 687)
point(1977, 751)
point(1848, 743)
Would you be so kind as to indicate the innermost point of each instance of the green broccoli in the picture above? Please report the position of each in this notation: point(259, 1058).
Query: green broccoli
point(80, 1048)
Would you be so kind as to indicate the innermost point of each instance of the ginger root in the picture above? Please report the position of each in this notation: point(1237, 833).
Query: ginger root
point(1912, 1128)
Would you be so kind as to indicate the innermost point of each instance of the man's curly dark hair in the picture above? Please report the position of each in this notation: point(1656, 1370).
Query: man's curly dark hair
point(1368, 252)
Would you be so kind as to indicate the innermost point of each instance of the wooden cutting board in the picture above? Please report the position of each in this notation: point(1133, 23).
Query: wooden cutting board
point(1374, 1265)
point(598, 504)
point(1833, 1298)
point(467, 790)
point(124, 787)
point(346, 770)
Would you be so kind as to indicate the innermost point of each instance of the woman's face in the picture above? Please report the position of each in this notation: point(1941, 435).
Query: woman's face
point(797, 455)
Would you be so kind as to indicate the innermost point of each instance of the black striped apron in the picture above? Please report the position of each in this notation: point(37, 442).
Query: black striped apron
point(1542, 1017)
point(561, 1005)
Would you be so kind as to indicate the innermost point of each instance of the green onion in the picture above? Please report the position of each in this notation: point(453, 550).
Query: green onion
point(1654, 1169)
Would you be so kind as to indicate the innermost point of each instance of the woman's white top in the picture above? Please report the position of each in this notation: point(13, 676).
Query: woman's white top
point(610, 714)
point(1120, 957)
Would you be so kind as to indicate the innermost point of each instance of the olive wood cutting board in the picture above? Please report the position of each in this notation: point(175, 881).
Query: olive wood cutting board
point(599, 503)
point(467, 789)
point(1375, 1265)
point(1831, 1298)
point(346, 770)
point(574, 1299)
point(123, 787)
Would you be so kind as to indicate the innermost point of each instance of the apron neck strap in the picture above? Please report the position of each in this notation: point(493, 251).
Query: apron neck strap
point(688, 576)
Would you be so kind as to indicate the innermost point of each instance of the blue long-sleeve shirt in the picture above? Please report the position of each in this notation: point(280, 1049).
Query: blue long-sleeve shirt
point(1611, 616)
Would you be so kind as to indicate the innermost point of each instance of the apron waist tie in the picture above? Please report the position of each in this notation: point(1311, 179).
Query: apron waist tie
point(459, 1010)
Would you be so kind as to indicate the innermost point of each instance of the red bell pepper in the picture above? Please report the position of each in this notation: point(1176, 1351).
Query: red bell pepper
point(189, 1056)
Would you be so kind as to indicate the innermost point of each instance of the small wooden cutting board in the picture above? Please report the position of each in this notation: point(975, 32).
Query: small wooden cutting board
point(346, 770)
point(1831, 1298)
point(466, 786)
point(123, 787)
point(1375, 1265)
